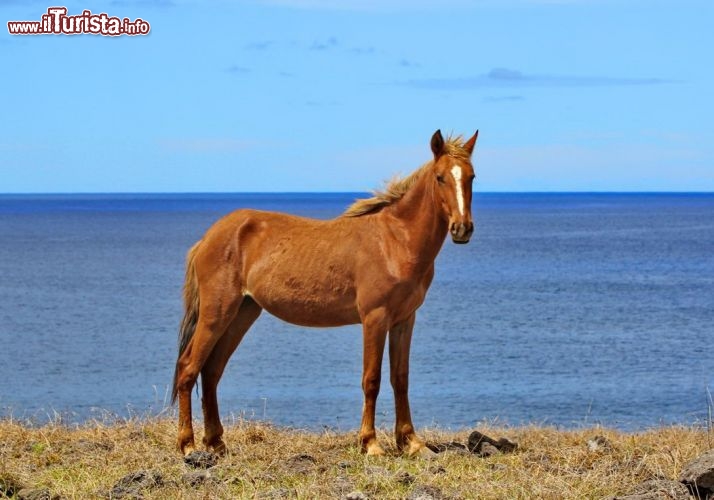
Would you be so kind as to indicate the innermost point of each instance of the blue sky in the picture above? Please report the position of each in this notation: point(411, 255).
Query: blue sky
point(311, 95)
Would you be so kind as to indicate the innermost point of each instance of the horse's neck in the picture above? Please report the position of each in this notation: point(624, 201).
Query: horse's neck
point(420, 214)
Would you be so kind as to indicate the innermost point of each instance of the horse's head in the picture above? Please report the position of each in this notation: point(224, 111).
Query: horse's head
point(454, 175)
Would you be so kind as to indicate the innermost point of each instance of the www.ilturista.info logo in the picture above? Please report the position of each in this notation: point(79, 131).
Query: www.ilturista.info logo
point(57, 22)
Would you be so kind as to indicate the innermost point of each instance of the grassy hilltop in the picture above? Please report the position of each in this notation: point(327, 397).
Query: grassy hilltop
point(268, 462)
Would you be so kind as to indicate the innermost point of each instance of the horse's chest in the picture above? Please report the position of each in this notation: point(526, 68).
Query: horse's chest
point(416, 276)
point(408, 291)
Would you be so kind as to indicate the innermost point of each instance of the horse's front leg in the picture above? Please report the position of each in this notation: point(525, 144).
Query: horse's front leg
point(374, 333)
point(400, 337)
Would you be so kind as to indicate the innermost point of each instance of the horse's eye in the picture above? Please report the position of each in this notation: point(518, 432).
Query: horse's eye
point(440, 179)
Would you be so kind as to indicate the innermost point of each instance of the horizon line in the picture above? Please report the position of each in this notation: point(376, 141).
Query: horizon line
point(369, 193)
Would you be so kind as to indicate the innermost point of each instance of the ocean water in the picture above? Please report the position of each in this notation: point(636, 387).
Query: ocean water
point(565, 309)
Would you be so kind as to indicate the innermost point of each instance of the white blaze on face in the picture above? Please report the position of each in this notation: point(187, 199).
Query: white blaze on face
point(456, 172)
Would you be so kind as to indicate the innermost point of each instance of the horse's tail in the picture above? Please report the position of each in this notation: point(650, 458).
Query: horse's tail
point(190, 315)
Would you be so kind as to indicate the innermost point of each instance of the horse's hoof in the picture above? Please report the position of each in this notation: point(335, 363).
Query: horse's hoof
point(417, 449)
point(425, 453)
point(219, 448)
point(375, 450)
point(187, 449)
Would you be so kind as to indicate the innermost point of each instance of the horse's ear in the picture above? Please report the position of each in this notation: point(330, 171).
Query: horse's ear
point(437, 144)
point(469, 145)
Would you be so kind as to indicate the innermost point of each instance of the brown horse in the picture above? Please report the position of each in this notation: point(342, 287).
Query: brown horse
point(372, 265)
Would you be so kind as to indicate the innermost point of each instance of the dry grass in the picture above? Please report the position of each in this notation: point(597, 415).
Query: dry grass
point(269, 462)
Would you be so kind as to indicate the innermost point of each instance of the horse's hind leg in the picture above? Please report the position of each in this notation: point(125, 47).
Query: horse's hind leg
point(215, 316)
point(213, 369)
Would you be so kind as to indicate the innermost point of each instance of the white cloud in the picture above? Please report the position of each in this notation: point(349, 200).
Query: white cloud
point(509, 78)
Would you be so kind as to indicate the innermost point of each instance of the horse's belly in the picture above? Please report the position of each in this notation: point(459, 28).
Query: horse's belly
point(301, 274)
point(309, 306)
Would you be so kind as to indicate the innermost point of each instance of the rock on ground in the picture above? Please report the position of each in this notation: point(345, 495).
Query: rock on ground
point(301, 464)
point(484, 446)
point(197, 478)
point(355, 495)
point(131, 484)
point(657, 490)
point(276, 493)
point(200, 459)
point(8, 486)
point(698, 475)
point(426, 492)
point(450, 446)
point(403, 477)
point(35, 494)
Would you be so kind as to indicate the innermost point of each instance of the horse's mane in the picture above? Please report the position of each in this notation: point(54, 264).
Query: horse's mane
point(395, 189)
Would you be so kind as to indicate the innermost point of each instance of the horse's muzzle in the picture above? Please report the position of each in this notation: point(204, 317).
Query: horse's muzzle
point(461, 232)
